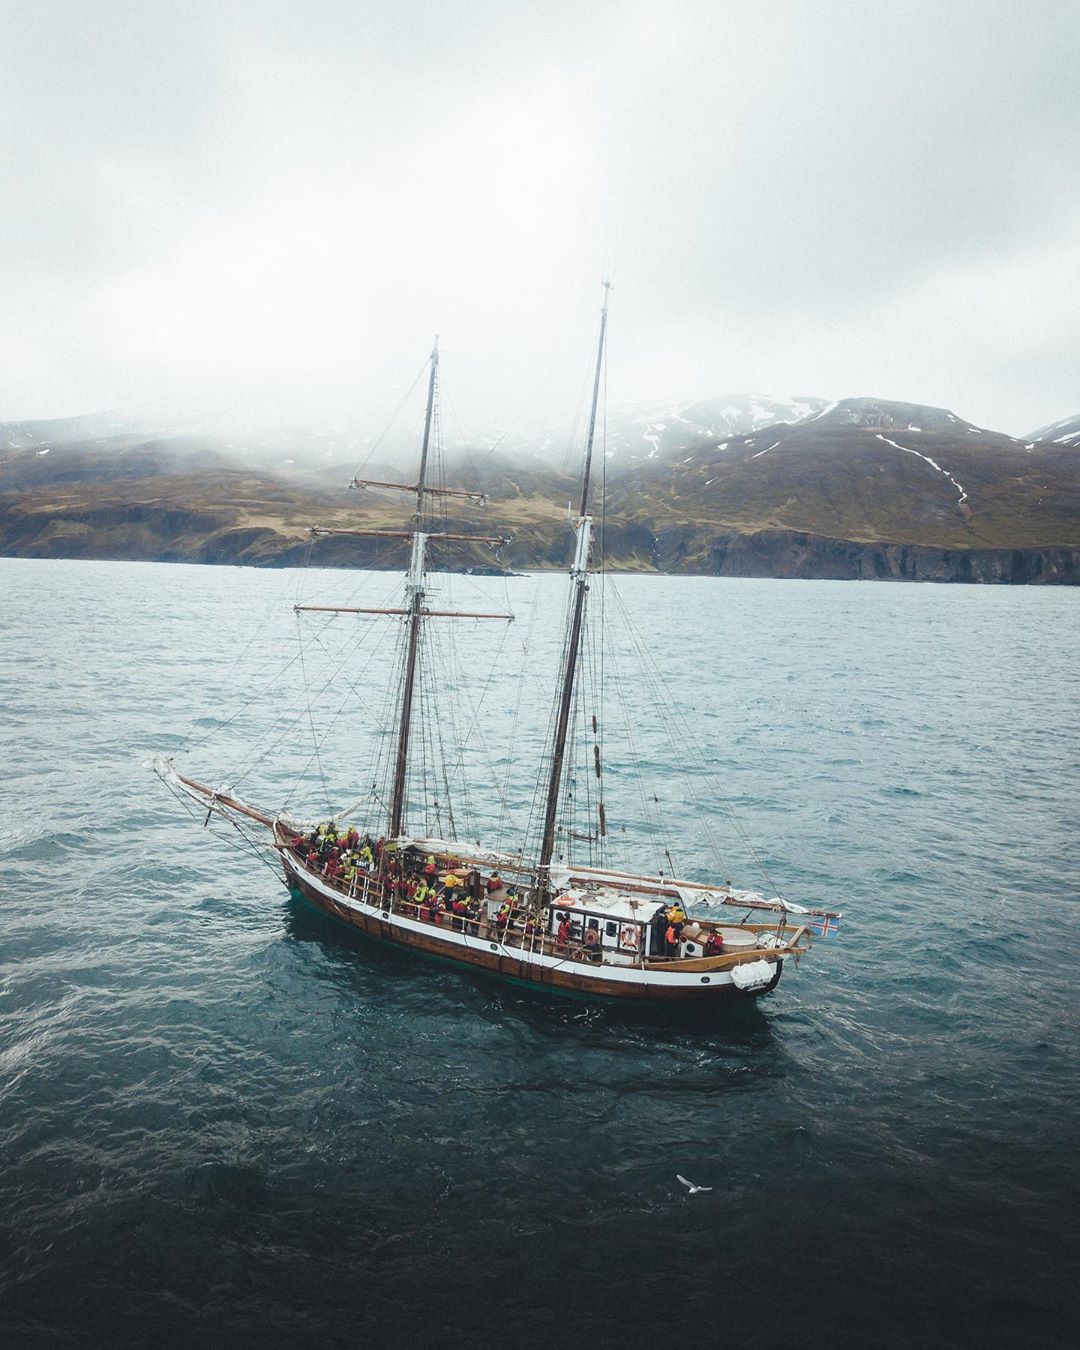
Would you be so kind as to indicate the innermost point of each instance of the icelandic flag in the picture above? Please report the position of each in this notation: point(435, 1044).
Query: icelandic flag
point(824, 925)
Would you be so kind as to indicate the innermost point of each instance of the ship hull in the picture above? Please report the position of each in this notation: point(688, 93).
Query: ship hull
point(534, 970)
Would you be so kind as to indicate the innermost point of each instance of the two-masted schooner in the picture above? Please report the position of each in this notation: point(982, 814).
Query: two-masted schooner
point(539, 918)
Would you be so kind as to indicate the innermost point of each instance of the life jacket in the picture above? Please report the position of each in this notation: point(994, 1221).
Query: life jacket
point(671, 935)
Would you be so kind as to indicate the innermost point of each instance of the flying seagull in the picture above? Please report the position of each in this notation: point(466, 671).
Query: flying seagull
point(690, 1185)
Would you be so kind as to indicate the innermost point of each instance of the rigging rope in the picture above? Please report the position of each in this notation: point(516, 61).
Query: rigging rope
point(311, 721)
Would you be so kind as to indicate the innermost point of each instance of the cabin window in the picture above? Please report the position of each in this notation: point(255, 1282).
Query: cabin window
point(610, 929)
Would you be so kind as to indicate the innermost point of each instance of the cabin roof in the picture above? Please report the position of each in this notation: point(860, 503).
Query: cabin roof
point(610, 904)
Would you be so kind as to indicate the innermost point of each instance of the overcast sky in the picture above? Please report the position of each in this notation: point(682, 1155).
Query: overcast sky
point(270, 207)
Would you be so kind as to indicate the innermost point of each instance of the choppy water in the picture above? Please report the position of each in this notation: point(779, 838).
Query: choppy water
point(223, 1122)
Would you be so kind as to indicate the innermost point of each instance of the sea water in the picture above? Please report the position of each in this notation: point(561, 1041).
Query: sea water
point(224, 1121)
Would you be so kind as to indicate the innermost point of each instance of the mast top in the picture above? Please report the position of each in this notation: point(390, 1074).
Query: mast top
point(587, 471)
point(428, 416)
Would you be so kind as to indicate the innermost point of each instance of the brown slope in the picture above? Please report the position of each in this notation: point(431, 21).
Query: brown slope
point(863, 472)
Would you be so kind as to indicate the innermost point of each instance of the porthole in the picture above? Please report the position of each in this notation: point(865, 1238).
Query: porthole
point(494, 946)
point(386, 913)
point(705, 979)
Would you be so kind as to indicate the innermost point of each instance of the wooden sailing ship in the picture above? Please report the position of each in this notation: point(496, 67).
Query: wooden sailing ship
point(536, 918)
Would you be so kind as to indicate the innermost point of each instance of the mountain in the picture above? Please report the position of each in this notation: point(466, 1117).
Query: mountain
point(71, 430)
point(858, 488)
point(862, 472)
point(639, 431)
point(1065, 432)
point(653, 430)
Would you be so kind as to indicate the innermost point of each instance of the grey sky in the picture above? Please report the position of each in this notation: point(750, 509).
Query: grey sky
point(268, 208)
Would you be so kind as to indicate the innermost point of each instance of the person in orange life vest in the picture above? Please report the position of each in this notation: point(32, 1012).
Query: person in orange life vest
point(566, 928)
point(671, 940)
point(715, 944)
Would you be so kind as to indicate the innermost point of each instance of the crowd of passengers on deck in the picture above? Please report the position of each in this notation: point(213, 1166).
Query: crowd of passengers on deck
point(463, 899)
point(454, 895)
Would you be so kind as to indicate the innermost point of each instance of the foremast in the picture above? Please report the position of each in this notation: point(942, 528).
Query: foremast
point(414, 605)
point(414, 610)
point(579, 575)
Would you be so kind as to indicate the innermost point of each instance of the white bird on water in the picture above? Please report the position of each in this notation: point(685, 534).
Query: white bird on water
point(694, 1190)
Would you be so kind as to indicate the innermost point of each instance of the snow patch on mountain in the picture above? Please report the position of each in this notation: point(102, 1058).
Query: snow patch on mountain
point(656, 430)
point(1065, 432)
point(933, 464)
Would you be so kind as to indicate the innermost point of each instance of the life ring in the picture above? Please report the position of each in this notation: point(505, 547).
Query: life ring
point(629, 935)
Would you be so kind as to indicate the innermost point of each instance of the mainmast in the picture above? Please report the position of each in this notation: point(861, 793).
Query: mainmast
point(414, 604)
point(579, 574)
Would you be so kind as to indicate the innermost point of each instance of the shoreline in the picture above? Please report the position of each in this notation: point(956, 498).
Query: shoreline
point(767, 555)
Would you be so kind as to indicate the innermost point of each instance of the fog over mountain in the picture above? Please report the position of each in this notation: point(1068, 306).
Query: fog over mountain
point(638, 431)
